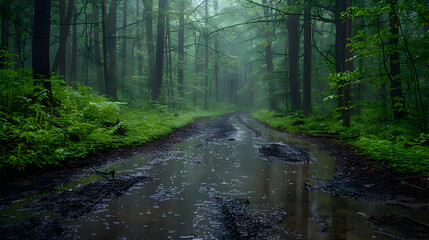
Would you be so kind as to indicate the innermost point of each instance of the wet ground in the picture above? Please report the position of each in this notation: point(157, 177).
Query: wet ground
point(231, 178)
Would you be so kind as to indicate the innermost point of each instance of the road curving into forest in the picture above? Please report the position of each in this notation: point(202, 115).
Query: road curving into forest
point(229, 178)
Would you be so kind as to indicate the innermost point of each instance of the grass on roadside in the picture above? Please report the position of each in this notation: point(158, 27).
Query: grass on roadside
point(396, 144)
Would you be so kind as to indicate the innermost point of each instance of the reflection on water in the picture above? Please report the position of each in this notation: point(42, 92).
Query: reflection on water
point(179, 203)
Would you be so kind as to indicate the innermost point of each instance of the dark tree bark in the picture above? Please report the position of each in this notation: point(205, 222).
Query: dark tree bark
point(40, 48)
point(160, 35)
point(206, 59)
point(97, 50)
point(251, 90)
point(181, 48)
point(59, 63)
point(398, 105)
point(73, 67)
point(18, 47)
point(148, 12)
point(124, 40)
point(348, 67)
point(170, 60)
point(4, 37)
point(295, 96)
point(111, 29)
point(269, 62)
point(216, 63)
point(139, 45)
point(307, 59)
point(340, 45)
point(105, 63)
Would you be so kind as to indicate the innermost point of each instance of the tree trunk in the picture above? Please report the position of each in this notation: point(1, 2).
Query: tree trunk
point(348, 67)
point(4, 39)
point(307, 58)
point(124, 40)
point(97, 50)
point(160, 35)
point(206, 60)
point(105, 64)
point(148, 12)
point(398, 105)
point(139, 46)
point(73, 67)
point(340, 45)
point(111, 21)
point(216, 63)
point(292, 25)
point(170, 59)
point(269, 62)
point(181, 48)
point(40, 48)
point(59, 63)
point(18, 47)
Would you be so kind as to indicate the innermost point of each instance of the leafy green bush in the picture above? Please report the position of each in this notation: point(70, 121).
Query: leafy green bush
point(34, 134)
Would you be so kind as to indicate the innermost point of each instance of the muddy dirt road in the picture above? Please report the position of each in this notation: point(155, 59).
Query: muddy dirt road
point(231, 178)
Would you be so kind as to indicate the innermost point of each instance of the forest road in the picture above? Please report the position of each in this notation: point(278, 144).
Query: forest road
point(228, 178)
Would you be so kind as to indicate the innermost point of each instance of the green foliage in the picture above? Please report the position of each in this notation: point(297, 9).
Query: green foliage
point(400, 145)
point(36, 135)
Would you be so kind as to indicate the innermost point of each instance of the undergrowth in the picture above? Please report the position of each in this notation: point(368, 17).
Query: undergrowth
point(400, 145)
point(34, 134)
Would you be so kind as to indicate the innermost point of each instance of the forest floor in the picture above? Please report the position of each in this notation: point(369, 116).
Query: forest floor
point(356, 177)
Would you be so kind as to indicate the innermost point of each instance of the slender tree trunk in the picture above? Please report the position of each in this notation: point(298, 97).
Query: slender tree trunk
point(269, 62)
point(251, 90)
point(41, 35)
point(4, 39)
point(307, 58)
point(181, 48)
point(216, 63)
point(348, 67)
point(148, 12)
point(160, 35)
point(65, 23)
point(292, 24)
point(18, 47)
point(340, 45)
point(170, 59)
point(97, 50)
point(124, 40)
point(73, 67)
point(139, 45)
point(398, 105)
point(206, 60)
point(105, 64)
point(111, 29)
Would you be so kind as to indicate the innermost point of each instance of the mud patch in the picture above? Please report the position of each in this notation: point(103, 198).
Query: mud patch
point(34, 228)
point(233, 218)
point(221, 127)
point(284, 153)
point(74, 204)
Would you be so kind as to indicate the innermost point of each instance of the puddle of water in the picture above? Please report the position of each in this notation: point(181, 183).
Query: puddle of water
point(178, 204)
point(192, 178)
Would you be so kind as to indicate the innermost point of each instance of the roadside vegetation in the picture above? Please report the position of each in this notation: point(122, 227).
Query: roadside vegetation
point(401, 145)
point(40, 129)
